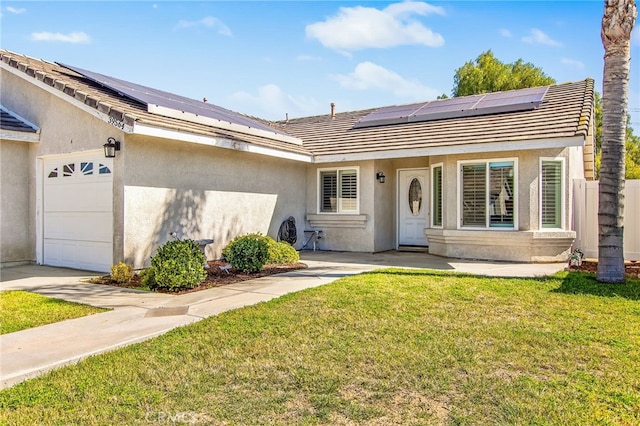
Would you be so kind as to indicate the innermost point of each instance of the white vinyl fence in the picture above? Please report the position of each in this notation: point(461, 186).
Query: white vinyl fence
point(585, 218)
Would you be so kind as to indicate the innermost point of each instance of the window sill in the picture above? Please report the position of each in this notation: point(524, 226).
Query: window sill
point(499, 229)
point(333, 220)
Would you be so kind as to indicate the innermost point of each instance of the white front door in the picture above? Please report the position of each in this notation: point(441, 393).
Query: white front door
point(413, 207)
point(78, 212)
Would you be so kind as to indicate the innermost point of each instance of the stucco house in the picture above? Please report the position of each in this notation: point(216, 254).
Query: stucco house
point(487, 176)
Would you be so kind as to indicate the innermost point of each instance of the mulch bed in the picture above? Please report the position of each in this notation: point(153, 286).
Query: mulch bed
point(631, 269)
point(216, 277)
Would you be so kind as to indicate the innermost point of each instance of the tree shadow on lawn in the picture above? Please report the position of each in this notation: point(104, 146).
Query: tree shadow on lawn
point(573, 282)
point(449, 274)
point(586, 283)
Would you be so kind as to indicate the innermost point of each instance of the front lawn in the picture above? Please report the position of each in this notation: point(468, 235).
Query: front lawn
point(20, 310)
point(388, 347)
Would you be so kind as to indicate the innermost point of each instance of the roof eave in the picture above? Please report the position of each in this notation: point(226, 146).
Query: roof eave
point(159, 132)
point(450, 149)
point(17, 136)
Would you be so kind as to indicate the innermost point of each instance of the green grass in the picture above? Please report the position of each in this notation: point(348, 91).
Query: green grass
point(20, 310)
point(389, 347)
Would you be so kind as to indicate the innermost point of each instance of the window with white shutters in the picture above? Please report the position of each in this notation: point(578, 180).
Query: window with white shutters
point(474, 198)
point(551, 182)
point(338, 190)
point(436, 193)
point(501, 194)
point(488, 194)
point(328, 191)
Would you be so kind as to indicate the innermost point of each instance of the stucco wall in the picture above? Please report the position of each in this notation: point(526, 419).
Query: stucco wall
point(534, 244)
point(374, 229)
point(344, 232)
point(15, 242)
point(65, 129)
point(385, 206)
point(204, 192)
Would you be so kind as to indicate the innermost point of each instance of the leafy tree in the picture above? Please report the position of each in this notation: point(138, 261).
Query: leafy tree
point(632, 157)
point(617, 24)
point(488, 74)
point(632, 145)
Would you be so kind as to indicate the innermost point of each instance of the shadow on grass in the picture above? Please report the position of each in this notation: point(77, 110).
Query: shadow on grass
point(415, 272)
point(570, 282)
point(454, 274)
point(586, 283)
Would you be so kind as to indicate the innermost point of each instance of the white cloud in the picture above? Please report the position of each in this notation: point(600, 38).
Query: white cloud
point(272, 103)
point(207, 22)
point(74, 37)
point(572, 62)
point(359, 27)
point(505, 33)
point(14, 10)
point(538, 37)
point(368, 75)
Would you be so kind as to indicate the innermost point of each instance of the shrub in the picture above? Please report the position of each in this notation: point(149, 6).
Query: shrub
point(178, 264)
point(247, 253)
point(148, 278)
point(121, 273)
point(281, 252)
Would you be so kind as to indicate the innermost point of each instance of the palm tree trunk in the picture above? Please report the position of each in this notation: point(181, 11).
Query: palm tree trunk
point(617, 23)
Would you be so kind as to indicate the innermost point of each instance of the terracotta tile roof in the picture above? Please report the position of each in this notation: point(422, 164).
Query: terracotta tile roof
point(565, 111)
point(124, 109)
point(9, 121)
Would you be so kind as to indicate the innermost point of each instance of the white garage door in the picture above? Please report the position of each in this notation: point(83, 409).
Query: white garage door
point(78, 212)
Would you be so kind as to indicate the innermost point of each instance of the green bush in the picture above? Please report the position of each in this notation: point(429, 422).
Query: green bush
point(148, 278)
point(179, 264)
point(281, 252)
point(247, 253)
point(121, 273)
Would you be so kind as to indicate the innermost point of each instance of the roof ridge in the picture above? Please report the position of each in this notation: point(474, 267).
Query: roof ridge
point(361, 111)
point(588, 107)
point(122, 110)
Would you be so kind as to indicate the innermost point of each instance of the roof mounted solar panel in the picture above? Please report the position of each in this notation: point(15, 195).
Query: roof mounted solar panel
point(389, 115)
point(445, 108)
point(180, 107)
point(464, 106)
point(513, 100)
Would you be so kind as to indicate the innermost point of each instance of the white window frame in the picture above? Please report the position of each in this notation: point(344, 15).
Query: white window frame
point(338, 203)
point(563, 201)
point(432, 194)
point(487, 226)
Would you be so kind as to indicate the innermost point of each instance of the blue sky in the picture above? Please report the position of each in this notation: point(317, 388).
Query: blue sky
point(272, 58)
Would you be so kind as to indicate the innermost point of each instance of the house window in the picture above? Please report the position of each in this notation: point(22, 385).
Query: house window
point(86, 168)
point(68, 169)
point(103, 170)
point(338, 190)
point(436, 195)
point(551, 193)
point(487, 194)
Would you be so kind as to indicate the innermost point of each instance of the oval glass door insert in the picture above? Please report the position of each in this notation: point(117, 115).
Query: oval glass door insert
point(415, 197)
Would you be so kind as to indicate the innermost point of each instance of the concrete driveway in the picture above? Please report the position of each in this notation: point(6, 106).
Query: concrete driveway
point(139, 315)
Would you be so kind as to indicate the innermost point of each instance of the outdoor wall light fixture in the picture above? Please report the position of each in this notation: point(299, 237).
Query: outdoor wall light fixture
point(381, 177)
point(111, 147)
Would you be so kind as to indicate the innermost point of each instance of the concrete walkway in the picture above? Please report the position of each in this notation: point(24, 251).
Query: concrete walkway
point(137, 315)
